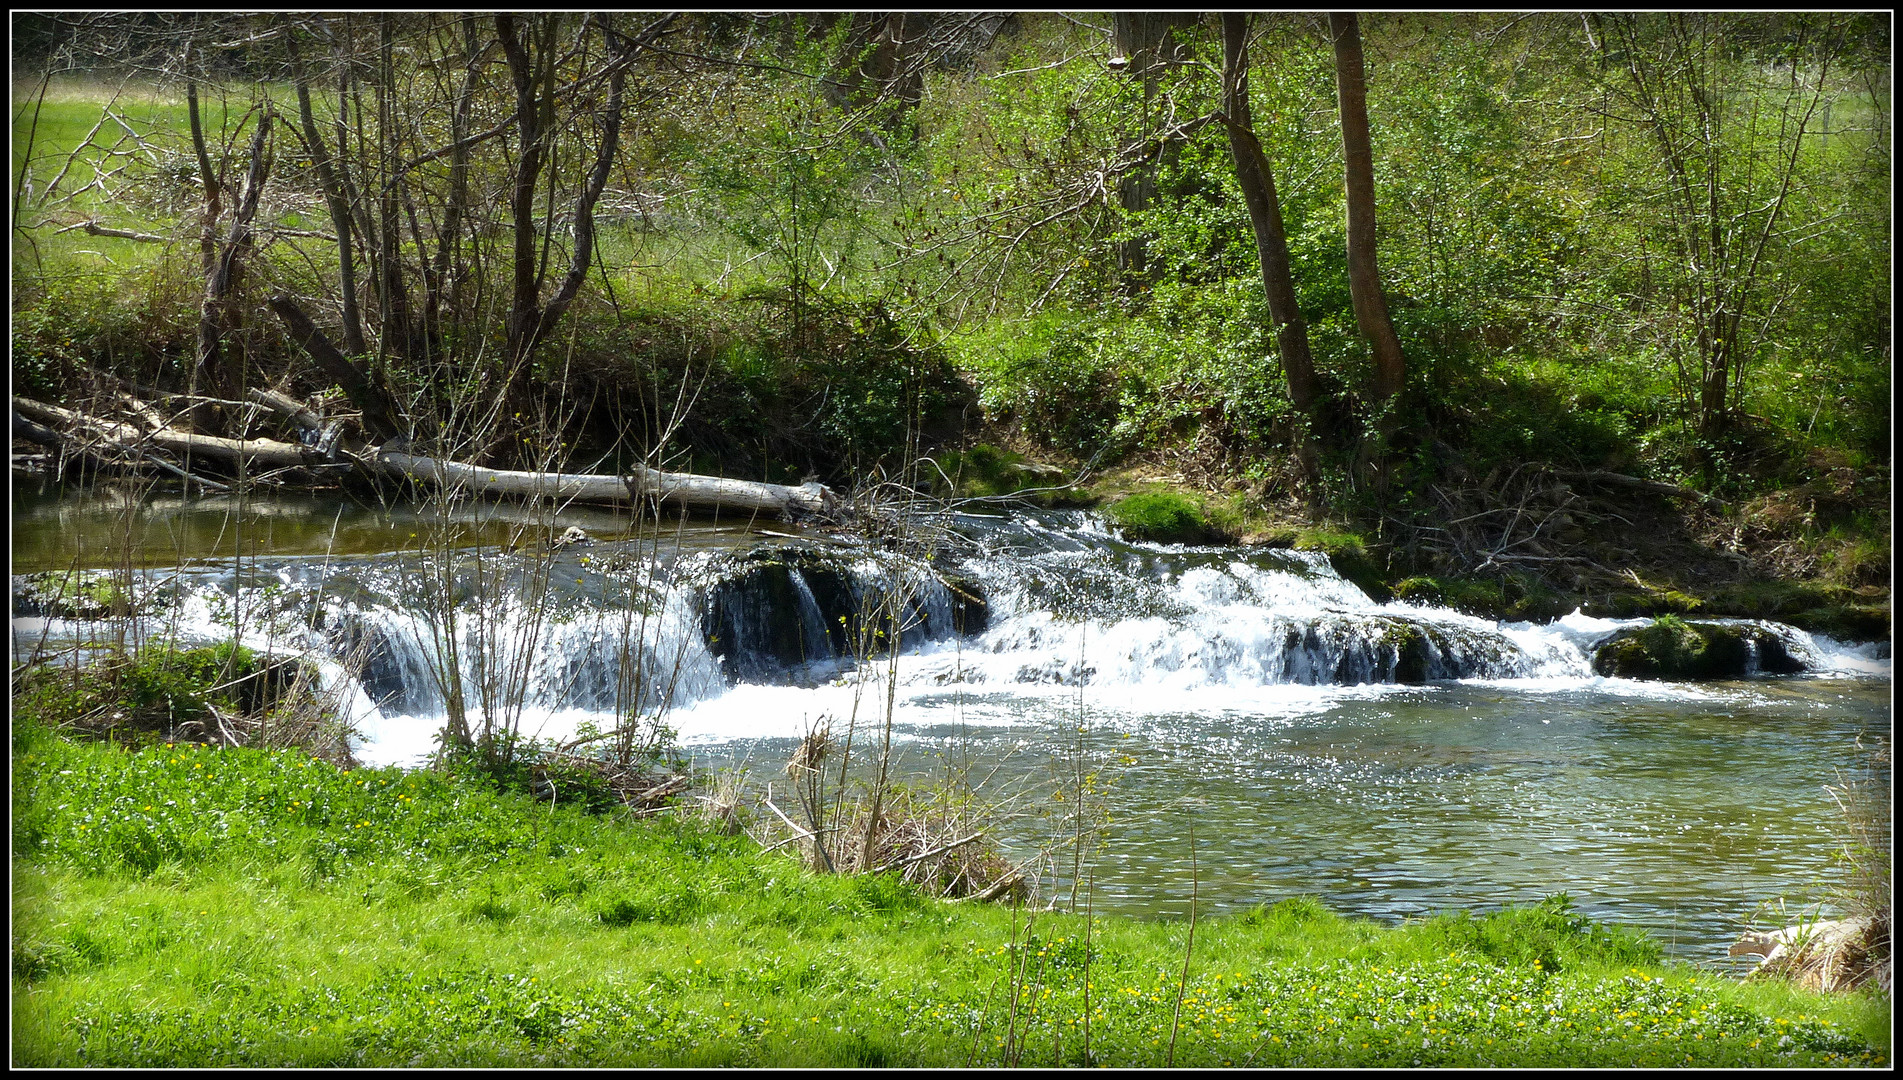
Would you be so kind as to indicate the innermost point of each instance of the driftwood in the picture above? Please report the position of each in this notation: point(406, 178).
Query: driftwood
point(1672, 491)
point(1824, 956)
point(120, 436)
point(686, 490)
point(362, 385)
point(286, 407)
point(940, 850)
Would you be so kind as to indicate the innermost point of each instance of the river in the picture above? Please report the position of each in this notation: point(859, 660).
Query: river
point(1256, 726)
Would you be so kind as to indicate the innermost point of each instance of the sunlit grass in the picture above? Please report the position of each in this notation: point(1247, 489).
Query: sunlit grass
point(180, 906)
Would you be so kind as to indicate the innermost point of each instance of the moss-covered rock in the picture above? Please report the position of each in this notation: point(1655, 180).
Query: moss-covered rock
point(1638, 603)
point(1163, 517)
point(986, 471)
point(1846, 622)
point(1510, 599)
point(1842, 612)
point(1410, 653)
point(1351, 559)
point(776, 606)
point(1278, 537)
point(1671, 648)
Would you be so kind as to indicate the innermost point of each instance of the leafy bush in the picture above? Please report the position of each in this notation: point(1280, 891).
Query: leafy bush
point(153, 690)
point(1048, 376)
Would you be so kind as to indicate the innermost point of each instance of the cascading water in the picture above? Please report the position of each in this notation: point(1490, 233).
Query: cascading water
point(1393, 759)
point(553, 641)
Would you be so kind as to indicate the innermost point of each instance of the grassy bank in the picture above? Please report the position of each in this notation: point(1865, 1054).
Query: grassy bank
point(184, 906)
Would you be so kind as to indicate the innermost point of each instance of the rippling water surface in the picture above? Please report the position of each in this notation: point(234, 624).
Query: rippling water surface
point(1679, 810)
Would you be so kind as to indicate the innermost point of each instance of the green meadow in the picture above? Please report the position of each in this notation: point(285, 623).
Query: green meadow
point(176, 905)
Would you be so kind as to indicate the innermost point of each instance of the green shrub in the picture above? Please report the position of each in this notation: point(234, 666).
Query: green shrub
point(1048, 376)
point(150, 691)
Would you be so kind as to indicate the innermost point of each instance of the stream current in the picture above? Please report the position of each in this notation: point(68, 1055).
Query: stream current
point(1246, 706)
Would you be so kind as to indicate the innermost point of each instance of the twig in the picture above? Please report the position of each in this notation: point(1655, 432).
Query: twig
point(1188, 947)
point(935, 851)
point(661, 791)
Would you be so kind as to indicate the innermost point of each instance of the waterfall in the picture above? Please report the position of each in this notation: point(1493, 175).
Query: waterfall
point(560, 640)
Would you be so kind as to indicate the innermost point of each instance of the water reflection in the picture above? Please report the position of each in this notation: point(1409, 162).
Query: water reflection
point(114, 524)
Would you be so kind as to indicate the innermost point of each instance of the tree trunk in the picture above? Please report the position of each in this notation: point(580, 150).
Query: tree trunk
point(531, 64)
point(226, 372)
point(1364, 279)
point(1146, 39)
point(399, 329)
point(1257, 181)
point(532, 67)
point(334, 199)
point(380, 414)
point(445, 284)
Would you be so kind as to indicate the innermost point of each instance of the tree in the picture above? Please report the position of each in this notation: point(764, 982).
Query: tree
point(1257, 181)
point(389, 168)
point(1364, 277)
point(1147, 42)
point(1727, 105)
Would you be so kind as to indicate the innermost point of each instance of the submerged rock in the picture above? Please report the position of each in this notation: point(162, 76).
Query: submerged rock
point(1671, 648)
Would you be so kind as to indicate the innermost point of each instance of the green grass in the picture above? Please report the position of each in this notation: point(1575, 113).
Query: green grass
point(178, 906)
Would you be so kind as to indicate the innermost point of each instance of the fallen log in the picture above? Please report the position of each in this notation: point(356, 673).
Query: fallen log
point(287, 407)
point(115, 435)
point(685, 490)
point(36, 433)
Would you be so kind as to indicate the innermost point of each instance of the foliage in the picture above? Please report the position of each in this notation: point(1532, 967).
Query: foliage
point(1550, 936)
point(776, 267)
point(1046, 375)
point(153, 690)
